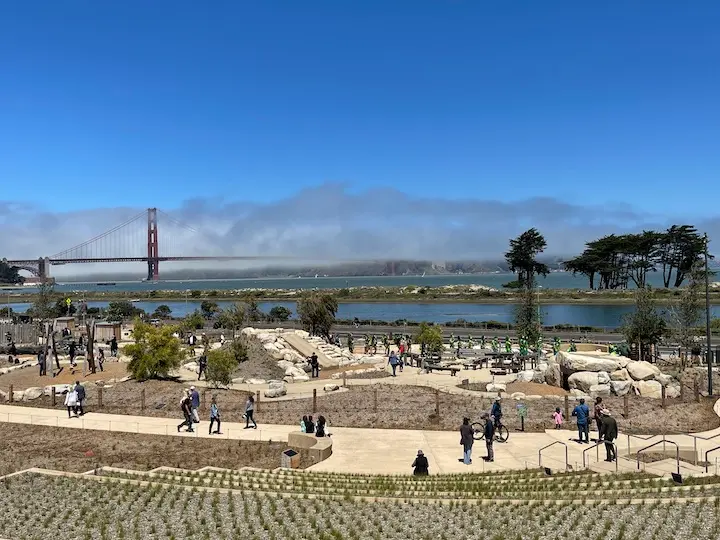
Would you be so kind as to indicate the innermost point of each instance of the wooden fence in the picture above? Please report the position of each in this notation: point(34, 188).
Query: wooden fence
point(25, 334)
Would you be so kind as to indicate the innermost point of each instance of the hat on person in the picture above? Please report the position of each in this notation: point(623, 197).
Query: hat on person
point(192, 388)
point(605, 412)
point(420, 453)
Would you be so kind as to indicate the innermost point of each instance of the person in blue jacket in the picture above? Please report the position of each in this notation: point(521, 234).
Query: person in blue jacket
point(582, 413)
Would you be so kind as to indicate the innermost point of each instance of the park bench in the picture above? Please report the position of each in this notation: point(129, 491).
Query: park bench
point(454, 370)
point(475, 363)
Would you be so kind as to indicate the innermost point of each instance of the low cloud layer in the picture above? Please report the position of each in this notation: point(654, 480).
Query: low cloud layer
point(328, 223)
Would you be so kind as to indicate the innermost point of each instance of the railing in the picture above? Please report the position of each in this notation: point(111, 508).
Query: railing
point(706, 457)
point(695, 438)
point(567, 463)
point(677, 452)
point(642, 438)
point(597, 446)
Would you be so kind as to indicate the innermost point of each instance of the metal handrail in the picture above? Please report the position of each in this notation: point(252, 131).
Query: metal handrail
point(596, 445)
point(642, 438)
point(567, 463)
point(695, 438)
point(706, 457)
point(677, 452)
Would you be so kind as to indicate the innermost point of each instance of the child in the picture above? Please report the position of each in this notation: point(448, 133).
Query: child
point(558, 417)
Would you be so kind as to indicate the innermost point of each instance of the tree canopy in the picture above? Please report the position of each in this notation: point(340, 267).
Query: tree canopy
point(317, 313)
point(646, 325)
point(522, 257)
point(613, 261)
point(9, 274)
point(155, 353)
point(279, 314)
point(163, 311)
point(431, 336)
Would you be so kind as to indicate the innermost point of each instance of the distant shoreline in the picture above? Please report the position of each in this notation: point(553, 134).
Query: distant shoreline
point(460, 294)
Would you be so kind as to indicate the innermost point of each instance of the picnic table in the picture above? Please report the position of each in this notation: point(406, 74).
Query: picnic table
point(504, 363)
point(454, 370)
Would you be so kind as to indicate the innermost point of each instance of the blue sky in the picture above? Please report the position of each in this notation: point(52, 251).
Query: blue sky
point(136, 104)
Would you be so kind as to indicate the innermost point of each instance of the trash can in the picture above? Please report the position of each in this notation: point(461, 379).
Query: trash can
point(290, 459)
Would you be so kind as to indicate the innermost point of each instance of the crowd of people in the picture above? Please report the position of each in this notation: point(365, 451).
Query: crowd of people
point(190, 405)
point(605, 424)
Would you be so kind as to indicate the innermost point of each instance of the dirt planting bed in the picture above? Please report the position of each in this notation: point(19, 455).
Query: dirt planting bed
point(398, 407)
point(29, 377)
point(23, 446)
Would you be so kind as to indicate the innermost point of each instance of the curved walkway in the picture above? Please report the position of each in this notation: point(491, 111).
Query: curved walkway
point(382, 451)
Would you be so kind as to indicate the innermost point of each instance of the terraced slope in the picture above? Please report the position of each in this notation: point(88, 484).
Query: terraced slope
point(284, 504)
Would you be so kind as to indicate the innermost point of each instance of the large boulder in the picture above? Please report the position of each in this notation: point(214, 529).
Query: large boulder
point(276, 384)
point(672, 390)
point(620, 375)
point(331, 387)
point(642, 371)
point(553, 375)
point(603, 377)
point(33, 393)
point(496, 387)
point(517, 395)
point(255, 381)
point(665, 380)
point(583, 380)
point(620, 388)
point(275, 392)
point(602, 390)
point(648, 389)
point(574, 362)
point(526, 376)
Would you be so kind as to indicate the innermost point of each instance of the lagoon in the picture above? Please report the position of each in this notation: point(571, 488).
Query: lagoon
point(609, 316)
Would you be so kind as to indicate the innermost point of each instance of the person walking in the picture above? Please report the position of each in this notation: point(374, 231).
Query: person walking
point(608, 434)
point(597, 413)
point(393, 361)
point(42, 363)
point(72, 352)
point(80, 391)
point(71, 402)
point(113, 347)
point(214, 417)
point(195, 404)
point(420, 465)
point(314, 366)
point(466, 440)
point(202, 366)
point(489, 433)
point(101, 358)
point(249, 411)
point(558, 418)
point(582, 413)
point(186, 408)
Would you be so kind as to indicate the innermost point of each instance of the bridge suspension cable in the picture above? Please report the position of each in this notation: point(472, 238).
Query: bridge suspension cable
point(66, 253)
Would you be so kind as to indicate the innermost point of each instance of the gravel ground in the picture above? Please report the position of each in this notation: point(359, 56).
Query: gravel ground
point(399, 407)
point(23, 446)
point(77, 509)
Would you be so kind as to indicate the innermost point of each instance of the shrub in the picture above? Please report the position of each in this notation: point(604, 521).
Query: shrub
point(220, 366)
point(155, 353)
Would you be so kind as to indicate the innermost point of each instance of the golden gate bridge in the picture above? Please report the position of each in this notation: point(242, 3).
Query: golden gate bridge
point(135, 240)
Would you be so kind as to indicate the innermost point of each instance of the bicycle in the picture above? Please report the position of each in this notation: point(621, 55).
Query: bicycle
point(501, 432)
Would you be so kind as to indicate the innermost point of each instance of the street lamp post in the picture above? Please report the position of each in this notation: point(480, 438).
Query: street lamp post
point(708, 350)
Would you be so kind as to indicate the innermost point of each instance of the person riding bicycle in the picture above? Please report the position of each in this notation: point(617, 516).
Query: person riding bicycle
point(496, 412)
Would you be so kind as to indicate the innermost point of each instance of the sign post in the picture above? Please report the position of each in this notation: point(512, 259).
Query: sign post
point(522, 411)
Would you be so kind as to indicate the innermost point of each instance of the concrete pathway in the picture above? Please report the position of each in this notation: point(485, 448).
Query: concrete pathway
point(385, 451)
